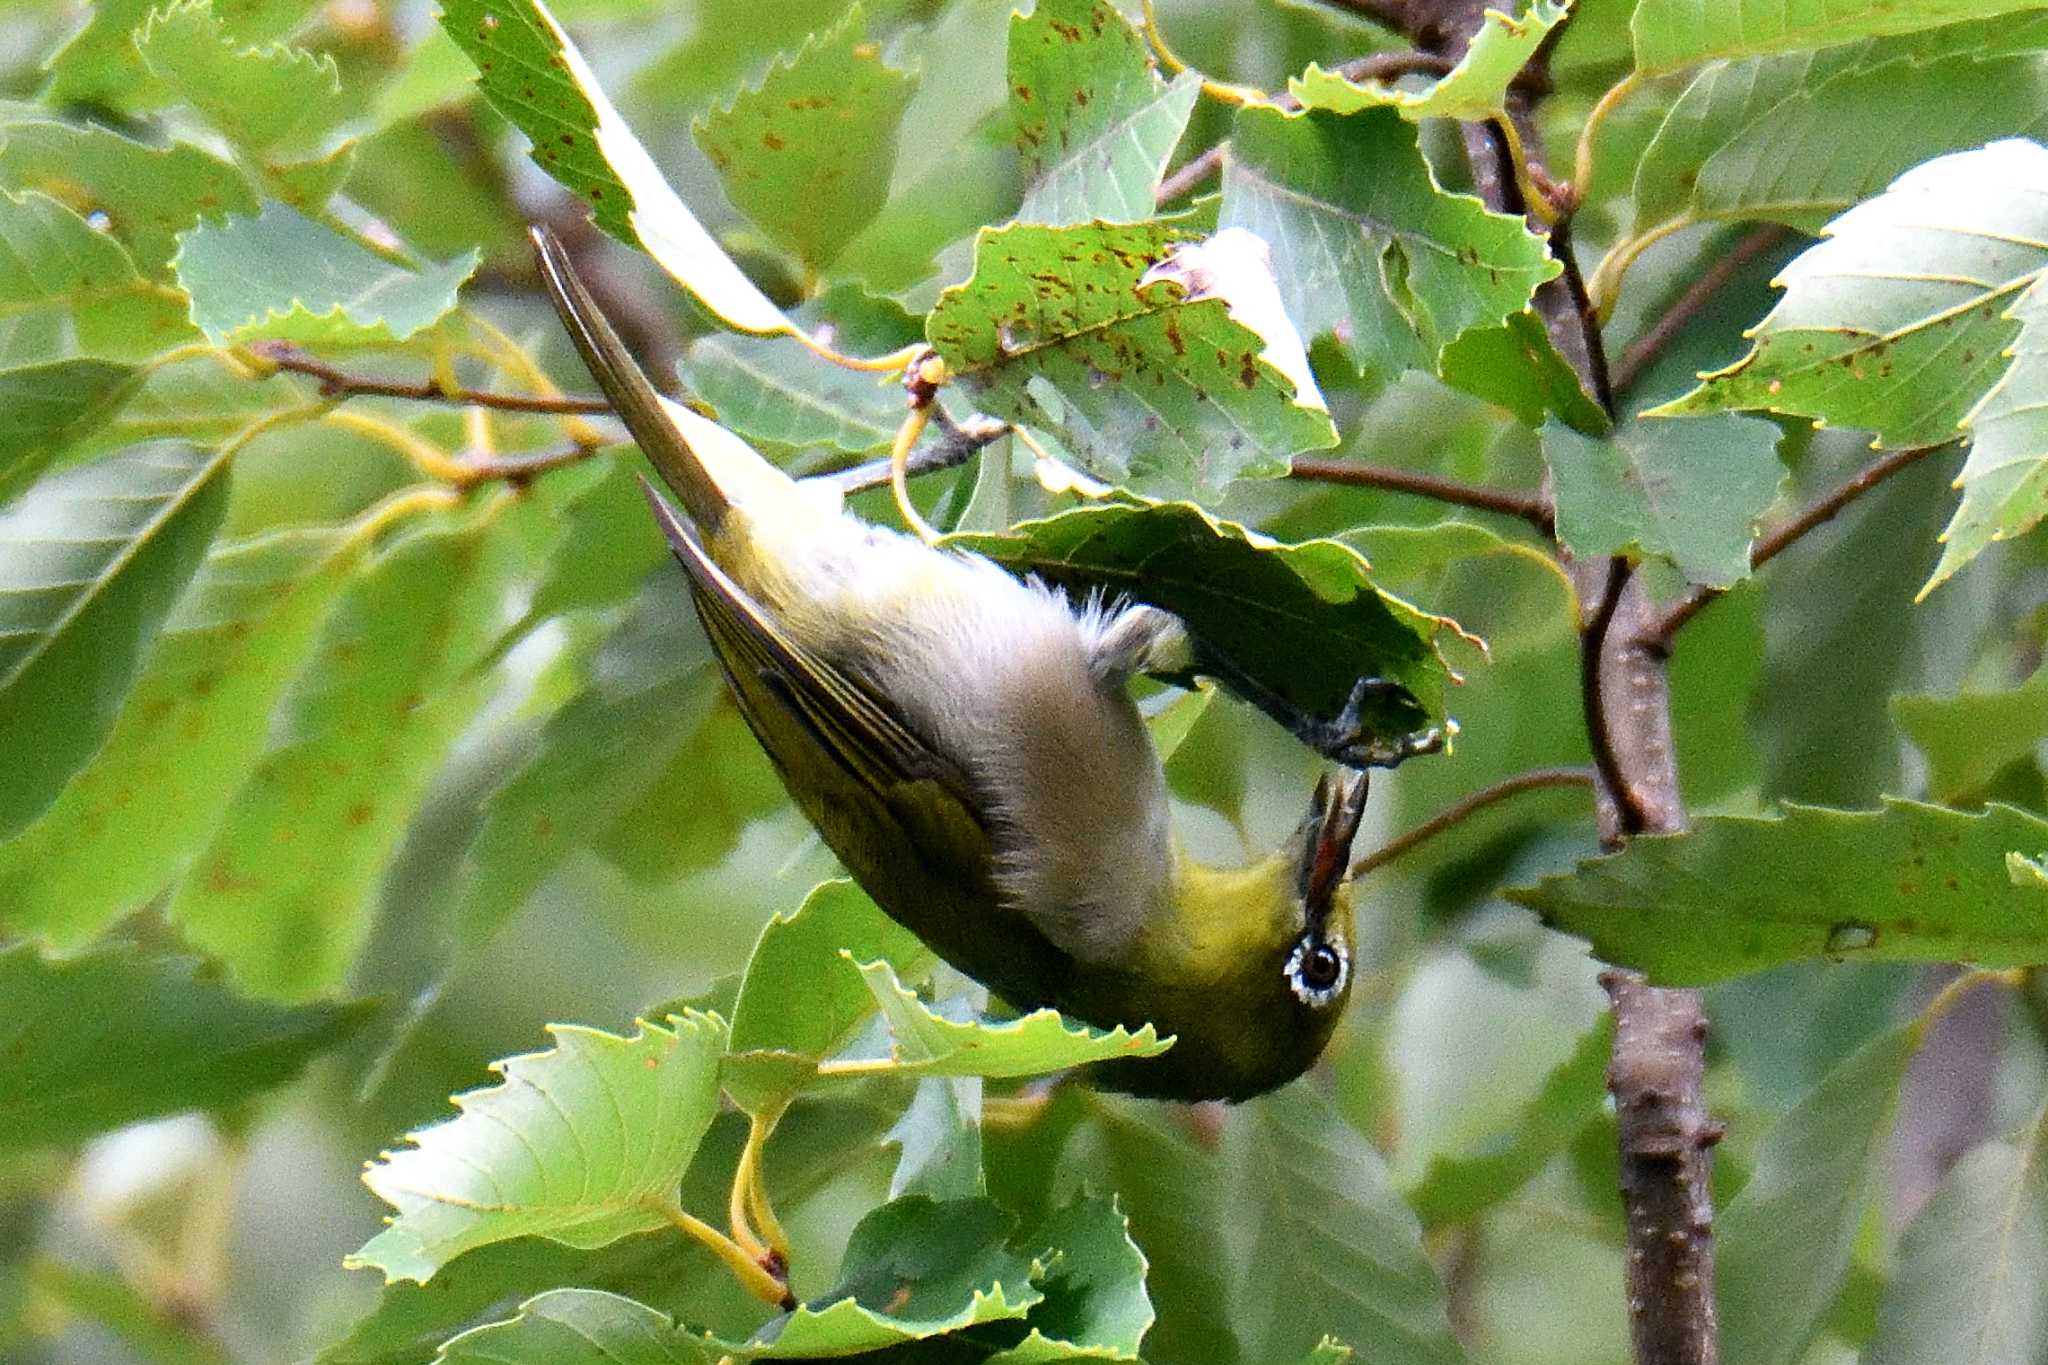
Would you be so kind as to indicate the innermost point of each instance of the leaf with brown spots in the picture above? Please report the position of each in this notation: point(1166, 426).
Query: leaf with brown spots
point(1736, 894)
point(807, 153)
point(1093, 118)
point(1056, 330)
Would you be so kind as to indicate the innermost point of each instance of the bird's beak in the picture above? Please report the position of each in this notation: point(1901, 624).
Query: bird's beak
point(1332, 823)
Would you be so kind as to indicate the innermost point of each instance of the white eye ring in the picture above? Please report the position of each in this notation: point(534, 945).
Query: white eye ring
point(1317, 997)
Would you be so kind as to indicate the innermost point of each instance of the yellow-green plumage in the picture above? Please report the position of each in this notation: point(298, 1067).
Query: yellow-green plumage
point(964, 743)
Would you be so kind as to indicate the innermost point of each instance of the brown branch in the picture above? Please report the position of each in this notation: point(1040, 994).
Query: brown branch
point(1658, 635)
point(334, 383)
point(956, 445)
point(1191, 174)
point(519, 468)
point(1530, 507)
point(1646, 348)
point(1451, 816)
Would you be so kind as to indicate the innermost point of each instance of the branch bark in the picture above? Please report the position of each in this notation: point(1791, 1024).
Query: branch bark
point(1530, 507)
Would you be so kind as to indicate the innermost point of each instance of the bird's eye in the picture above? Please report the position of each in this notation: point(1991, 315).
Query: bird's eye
point(1316, 971)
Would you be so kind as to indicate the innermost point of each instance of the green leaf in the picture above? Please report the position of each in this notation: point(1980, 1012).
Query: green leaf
point(601, 558)
point(1094, 120)
point(45, 408)
point(1968, 737)
point(1783, 1246)
point(1896, 321)
point(282, 893)
point(91, 562)
point(775, 389)
point(1779, 138)
point(1145, 383)
point(1517, 366)
point(282, 276)
point(1691, 492)
point(148, 194)
point(914, 1269)
point(1294, 626)
point(1476, 88)
point(579, 1327)
point(1456, 1187)
point(100, 65)
point(273, 101)
point(1907, 883)
point(188, 735)
point(1366, 245)
point(533, 75)
point(2005, 478)
point(802, 998)
point(926, 1043)
point(1308, 1193)
point(1095, 1304)
point(103, 1040)
point(2030, 873)
point(1972, 1278)
point(68, 291)
point(1673, 33)
point(581, 1144)
point(807, 153)
point(938, 1140)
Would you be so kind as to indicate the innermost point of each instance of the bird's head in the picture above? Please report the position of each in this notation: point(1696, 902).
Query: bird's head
point(1251, 969)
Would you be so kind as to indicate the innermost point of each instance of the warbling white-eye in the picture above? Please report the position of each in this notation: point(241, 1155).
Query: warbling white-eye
point(965, 743)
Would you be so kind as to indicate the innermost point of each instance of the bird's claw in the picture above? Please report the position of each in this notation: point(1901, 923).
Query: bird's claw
point(1346, 738)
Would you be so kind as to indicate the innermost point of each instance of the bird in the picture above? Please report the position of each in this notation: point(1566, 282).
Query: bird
point(966, 744)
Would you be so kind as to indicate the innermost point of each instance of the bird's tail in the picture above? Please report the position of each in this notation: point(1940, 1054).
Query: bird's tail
point(704, 465)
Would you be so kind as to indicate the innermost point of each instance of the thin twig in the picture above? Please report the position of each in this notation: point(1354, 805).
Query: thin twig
point(1530, 507)
point(956, 445)
point(1534, 779)
point(518, 468)
point(1593, 633)
point(1193, 173)
point(336, 383)
point(1647, 347)
point(1774, 542)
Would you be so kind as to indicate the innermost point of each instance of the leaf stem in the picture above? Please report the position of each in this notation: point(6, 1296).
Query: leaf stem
point(1589, 132)
point(1221, 91)
point(1604, 287)
point(750, 1195)
point(1646, 348)
point(1451, 816)
point(1533, 508)
point(1660, 631)
point(749, 1272)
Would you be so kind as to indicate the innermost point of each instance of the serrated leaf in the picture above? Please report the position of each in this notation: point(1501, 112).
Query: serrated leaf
point(651, 684)
point(100, 66)
point(807, 153)
point(99, 1041)
point(44, 408)
point(147, 194)
point(1783, 1246)
point(926, 1043)
point(1777, 138)
point(1476, 88)
point(579, 1327)
point(272, 101)
point(1971, 1285)
point(1366, 245)
point(1094, 120)
point(189, 733)
point(1905, 883)
point(1057, 328)
point(774, 389)
point(67, 291)
point(1455, 1187)
point(1517, 366)
point(938, 1141)
point(1354, 1251)
point(91, 562)
point(914, 1269)
point(581, 1144)
point(282, 276)
point(1691, 491)
point(533, 75)
point(283, 891)
point(2005, 478)
point(1968, 737)
point(1294, 626)
point(1673, 33)
point(1896, 320)
point(1095, 1307)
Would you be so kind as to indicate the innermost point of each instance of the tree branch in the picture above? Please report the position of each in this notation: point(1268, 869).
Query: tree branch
point(334, 383)
point(1452, 816)
point(956, 445)
point(1659, 633)
point(1192, 173)
point(1530, 507)
point(1645, 349)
